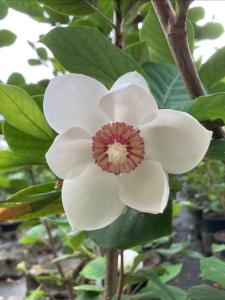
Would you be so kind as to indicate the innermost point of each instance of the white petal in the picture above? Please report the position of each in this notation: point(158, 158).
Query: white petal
point(131, 104)
point(128, 260)
point(72, 100)
point(130, 78)
point(91, 201)
point(145, 189)
point(70, 153)
point(177, 140)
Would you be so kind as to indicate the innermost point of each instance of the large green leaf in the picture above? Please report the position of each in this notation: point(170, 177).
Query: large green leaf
point(7, 38)
point(70, 7)
point(10, 160)
point(205, 292)
point(152, 33)
point(30, 7)
point(87, 51)
point(138, 51)
point(3, 9)
point(209, 108)
point(25, 144)
point(213, 69)
point(216, 150)
point(167, 86)
point(22, 112)
point(133, 228)
point(213, 269)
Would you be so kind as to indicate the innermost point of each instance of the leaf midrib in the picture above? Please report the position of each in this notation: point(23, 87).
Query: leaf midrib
point(23, 113)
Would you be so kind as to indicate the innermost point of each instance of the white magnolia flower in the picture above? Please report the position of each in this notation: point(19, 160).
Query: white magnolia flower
point(128, 261)
point(104, 133)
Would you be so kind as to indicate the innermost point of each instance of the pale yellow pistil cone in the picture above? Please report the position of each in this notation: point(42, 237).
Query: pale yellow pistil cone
point(117, 153)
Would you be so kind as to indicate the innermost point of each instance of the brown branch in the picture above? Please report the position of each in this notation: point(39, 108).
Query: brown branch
point(111, 273)
point(119, 24)
point(174, 27)
point(121, 277)
point(68, 284)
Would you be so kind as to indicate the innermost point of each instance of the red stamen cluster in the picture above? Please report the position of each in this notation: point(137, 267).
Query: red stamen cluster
point(118, 133)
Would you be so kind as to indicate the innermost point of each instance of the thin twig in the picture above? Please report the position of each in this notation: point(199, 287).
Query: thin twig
point(174, 27)
point(121, 277)
point(100, 14)
point(68, 284)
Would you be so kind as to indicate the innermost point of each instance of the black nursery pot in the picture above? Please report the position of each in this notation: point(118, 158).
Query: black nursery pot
point(9, 226)
point(219, 237)
point(197, 213)
point(214, 222)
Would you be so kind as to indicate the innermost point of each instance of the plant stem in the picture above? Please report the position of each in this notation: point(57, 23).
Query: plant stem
point(121, 277)
point(69, 284)
point(174, 27)
point(111, 273)
point(100, 14)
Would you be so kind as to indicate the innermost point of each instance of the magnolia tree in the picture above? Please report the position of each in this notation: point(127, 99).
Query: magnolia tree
point(116, 122)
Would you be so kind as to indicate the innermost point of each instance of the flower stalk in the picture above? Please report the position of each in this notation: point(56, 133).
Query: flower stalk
point(111, 279)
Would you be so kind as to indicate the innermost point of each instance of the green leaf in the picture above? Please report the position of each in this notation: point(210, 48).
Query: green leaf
point(218, 248)
point(210, 30)
point(209, 108)
point(152, 33)
point(155, 293)
point(196, 13)
point(76, 238)
point(25, 144)
point(174, 249)
point(167, 86)
point(16, 79)
point(70, 7)
point(171, 271)
point(21, 111)
point(130, 229)
point(213, 69)
point(32, 194)
point(39, 201)
point(33, 235)
point(138, 51)
point(3, 9)
point(38, 294)
point(205, 292)
point(34, 62)
point(10, 161)
point(216, 150)
point(30, 7)
point(7, 38)
point(89, 288)
point(87, 51)
point(152, 275)
point(95, 269)
point(42, 53)
point(213, 269)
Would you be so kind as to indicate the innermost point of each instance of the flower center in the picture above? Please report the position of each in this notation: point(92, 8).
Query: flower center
point(117, 153)
point(118, 148)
